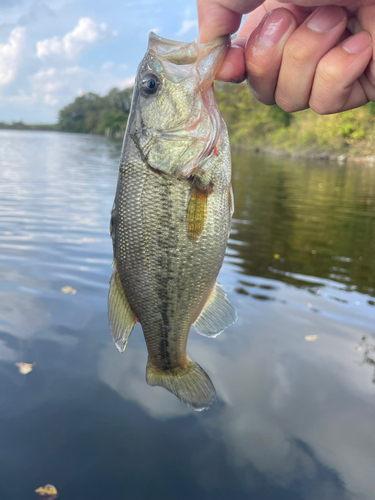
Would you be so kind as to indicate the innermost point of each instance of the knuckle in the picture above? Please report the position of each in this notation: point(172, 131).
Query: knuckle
point(320, 108)
point(370, 73)
point(256, 71)
point(370, 94)
point(265, 97)
point(297, 52)
point(261, 83)
point(267, 100)
point(329, 74)
point(325, 102)
point(287, 104)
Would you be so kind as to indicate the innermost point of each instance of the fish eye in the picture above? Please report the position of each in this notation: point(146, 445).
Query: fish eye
point(150, 84)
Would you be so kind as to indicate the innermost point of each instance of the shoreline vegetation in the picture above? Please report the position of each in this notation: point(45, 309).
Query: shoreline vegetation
point(347, 136)
point(23, 126)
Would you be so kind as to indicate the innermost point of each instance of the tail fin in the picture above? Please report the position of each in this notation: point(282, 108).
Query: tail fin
point(191, 385)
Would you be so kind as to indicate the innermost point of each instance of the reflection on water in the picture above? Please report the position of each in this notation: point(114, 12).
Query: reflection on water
point(295, 418)
point(367, 345)
point(316, 219)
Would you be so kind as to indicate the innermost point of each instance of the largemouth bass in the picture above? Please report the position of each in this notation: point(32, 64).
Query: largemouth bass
point(172, 213)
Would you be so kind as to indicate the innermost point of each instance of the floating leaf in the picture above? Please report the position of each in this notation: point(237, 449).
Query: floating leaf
point(276, 256)
point(69, 289)
point(25, 368)
point(47, 491)
point(311, 338)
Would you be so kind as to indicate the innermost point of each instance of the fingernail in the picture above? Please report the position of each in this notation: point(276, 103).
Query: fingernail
point(275, 26)
point(325, 18)
point(357, 43)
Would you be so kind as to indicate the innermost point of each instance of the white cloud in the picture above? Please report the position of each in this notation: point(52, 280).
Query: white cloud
point(86, 33)
point(9, 55)
point(50, 101)
point(107, 65)
point(187, 26)
point(23, 99)
point(58, 86)
point(52, 84)
point(127, 82)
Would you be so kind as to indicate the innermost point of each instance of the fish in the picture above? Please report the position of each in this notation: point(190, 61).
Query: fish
point(171, 216)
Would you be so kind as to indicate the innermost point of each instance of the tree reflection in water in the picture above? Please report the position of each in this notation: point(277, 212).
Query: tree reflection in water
point(367, 344)
point(317, 220)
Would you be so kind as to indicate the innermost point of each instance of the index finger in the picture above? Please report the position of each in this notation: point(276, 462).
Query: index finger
point(222, 17)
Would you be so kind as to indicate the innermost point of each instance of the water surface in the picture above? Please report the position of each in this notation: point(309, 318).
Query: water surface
point(295, 417)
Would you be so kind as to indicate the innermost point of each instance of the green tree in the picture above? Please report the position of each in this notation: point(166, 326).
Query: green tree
point(91, 113)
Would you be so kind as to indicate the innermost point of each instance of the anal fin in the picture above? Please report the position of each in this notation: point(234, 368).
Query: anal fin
point(217, 314)
point(121, 317)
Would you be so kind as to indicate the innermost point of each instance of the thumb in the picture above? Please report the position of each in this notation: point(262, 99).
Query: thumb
point(218, 18)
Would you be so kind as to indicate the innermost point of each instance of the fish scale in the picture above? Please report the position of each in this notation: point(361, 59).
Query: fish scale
point(170, 228)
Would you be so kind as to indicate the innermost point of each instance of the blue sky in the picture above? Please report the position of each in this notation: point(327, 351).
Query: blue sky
point(54, 50)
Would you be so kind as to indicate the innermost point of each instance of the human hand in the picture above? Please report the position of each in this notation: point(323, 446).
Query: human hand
point(291, 56)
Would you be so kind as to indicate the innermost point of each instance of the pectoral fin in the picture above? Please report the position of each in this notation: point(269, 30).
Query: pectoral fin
point(121, 317)
point(217, 314)
point(196, 215)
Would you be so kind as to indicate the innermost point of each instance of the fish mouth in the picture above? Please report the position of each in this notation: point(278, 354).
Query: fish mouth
point(208, 57)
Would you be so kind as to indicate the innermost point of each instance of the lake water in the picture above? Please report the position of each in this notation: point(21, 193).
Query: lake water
point(295, 376)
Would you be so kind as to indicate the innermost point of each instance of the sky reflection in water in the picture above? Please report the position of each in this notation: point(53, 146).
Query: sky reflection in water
point(294, 419)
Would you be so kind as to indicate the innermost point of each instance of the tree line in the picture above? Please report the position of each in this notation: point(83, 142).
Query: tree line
point(93, 114)
point(251, 124)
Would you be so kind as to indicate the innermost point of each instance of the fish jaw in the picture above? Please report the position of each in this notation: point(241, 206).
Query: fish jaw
point(191, 57)
point(176, 128)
